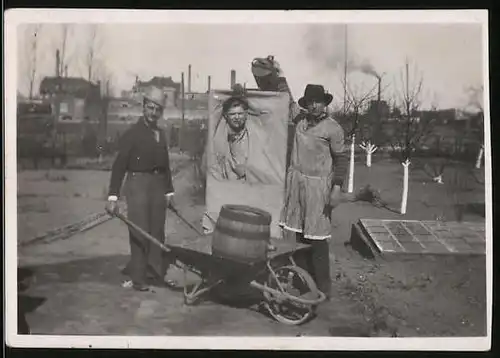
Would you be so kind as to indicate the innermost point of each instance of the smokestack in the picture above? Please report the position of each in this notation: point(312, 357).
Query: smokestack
point(209, 82)
point(181, 132)
point(189, 78)
point(58, 63)
point(379, 93)
point(233, 78)
point(66, 71)
point(182, 95)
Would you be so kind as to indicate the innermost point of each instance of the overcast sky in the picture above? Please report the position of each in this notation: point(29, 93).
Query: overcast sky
point(449, 57)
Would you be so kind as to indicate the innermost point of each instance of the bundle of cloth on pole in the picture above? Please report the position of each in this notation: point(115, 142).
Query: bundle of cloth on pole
point(269, 75)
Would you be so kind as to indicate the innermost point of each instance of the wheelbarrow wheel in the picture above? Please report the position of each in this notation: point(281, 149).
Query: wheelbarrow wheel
point(296, 282)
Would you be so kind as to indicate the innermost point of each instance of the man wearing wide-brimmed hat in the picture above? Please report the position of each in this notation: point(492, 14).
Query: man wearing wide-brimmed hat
point(314, 180)
point(143, 155)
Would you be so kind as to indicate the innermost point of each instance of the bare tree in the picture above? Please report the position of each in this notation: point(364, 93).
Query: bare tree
point(63, 46)
point(409, 128)
point(104, 77)
point(355, 101)
point(34, 34)
point(92, 51)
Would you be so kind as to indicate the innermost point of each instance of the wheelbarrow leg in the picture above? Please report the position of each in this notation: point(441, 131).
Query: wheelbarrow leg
point(192, 295)
point(292, 260)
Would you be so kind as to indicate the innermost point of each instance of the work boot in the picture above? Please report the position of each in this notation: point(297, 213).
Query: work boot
point(140, 287)
point(136, 286)
point(159, 282)
point(327, 291)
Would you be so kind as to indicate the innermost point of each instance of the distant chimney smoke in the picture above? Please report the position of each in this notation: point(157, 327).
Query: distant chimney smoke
point(189, 78)
point(209, 82)
point(233, 78)
point(58, 64)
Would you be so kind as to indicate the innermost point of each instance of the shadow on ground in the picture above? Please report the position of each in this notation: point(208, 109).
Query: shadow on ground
point(104, 269)
point(25, 303)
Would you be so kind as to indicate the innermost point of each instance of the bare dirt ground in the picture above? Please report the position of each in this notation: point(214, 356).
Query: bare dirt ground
point(78, 279)
point(52, 198)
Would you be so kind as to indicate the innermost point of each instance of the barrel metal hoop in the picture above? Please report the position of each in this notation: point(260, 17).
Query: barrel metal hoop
point(242, 235)
point(227, 222)
point(237, 213)
point(237, 258)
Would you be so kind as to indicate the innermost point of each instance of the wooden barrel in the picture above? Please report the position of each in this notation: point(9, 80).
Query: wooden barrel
point(242, 233)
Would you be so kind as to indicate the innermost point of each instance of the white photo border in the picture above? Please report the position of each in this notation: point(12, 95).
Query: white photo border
point(14, 17)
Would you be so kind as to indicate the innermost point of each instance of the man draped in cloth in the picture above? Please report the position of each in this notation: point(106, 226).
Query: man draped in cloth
point(314, 179)
point(240, 147)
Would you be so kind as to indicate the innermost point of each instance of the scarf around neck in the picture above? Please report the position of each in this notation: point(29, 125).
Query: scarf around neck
point(313, 120)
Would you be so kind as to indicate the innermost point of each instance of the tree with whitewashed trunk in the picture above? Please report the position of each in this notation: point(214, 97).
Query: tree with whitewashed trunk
point(356, 99)
point(350, 182)
point(436, 166)
point(406, 180)
point(475, 96)
point(480, 157)
point(409, 128)
point(435, 169)
point(369, 149)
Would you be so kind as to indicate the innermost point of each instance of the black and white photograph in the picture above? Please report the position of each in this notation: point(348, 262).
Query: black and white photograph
point(296, 180)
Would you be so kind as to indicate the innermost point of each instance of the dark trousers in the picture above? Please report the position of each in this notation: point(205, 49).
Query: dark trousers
point(317, 262)
point(146, 205)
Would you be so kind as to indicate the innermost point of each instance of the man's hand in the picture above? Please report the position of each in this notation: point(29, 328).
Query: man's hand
point(112, 207)
point(169, 198)
point(240, 170)
point(334, 201)
point(335, 196)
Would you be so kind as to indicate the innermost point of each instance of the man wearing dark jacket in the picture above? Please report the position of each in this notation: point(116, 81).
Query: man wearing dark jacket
point(143, 156)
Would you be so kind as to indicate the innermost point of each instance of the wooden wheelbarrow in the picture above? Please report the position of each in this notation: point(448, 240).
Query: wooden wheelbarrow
point(288, 292)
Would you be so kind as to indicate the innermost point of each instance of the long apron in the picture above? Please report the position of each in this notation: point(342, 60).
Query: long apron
point(308, 184)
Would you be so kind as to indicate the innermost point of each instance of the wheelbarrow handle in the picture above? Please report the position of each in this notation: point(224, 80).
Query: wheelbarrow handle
point(185, 221)
point(142, 232)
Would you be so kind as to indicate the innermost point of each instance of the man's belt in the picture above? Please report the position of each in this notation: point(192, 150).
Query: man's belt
point(310, 174)
point(149, 171)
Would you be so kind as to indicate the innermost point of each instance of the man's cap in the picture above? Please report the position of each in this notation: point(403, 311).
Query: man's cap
point(155, 95)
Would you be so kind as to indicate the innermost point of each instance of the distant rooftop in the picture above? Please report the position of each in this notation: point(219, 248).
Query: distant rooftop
point(71, 85)
point(160, 82)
